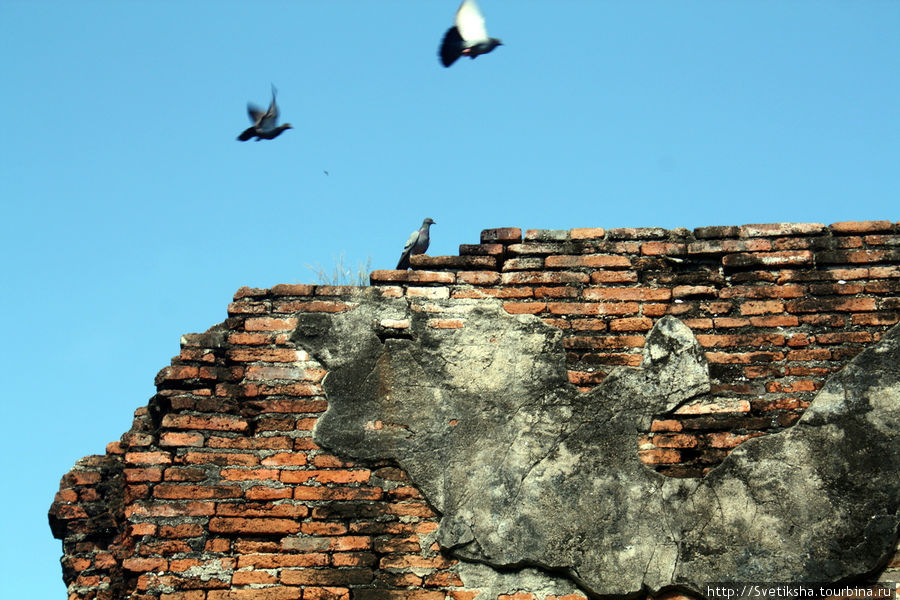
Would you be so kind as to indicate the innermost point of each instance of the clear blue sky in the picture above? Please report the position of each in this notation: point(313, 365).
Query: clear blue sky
point(131, 214)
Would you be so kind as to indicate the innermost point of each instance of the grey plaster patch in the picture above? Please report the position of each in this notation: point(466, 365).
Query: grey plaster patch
point(492, 583)
point(526, 471)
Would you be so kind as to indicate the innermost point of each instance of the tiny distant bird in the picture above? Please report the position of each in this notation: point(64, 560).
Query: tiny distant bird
point(468, 36)
point(265, 123)
point(416, 244)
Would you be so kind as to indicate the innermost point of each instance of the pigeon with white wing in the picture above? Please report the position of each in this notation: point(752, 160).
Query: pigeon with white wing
point(416, 244)
point(265, 123)
point(468, 36)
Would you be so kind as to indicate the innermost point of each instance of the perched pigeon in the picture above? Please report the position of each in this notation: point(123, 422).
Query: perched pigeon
point(265, 124)
point(416, 244)
point(468, 36)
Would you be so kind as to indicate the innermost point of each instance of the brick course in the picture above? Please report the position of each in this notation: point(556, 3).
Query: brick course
point(218, 492)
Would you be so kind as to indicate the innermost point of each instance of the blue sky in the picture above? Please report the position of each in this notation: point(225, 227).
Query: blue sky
point(131, 214)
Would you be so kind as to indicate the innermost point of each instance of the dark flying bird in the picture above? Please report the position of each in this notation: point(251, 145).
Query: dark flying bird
point(468, 36)
point(265, 124)
point(416, 244)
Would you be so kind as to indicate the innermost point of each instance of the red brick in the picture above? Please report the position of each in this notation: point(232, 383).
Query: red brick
point(246, 307)
point(622, 341)
point(857, 256)
point(262, 354)
point(269, 324)
point(791, 387)
point(872, 319)
point(264, 492)
point(253, 526)
point(148, 458)
point(286, 289)
point(723, 246)
point(504, 292)
point(245, 474)
point(738, 358)
point(172, 438)
point(318, 528)
point(184, 595)
point(542, 278)
point(729, 322)
point(820, 305)
point(319, 306)
point(350, 543)
point(769, 259)
point(663, 248)
point(396, 276)
point(146, 474)
point(557, 292)
point(666, 425)
point(280, 561)
point(614, 277)
point(811, 354)
point(319, 577)
point(780, 229)
point(760, 307)
point(480, 249)
point(219, 458)
point(340, 476)
point(263, 593)
point(658, 456)
point(431, 293)
point(443, 579)
point(252, 577)
point(141, 565)
point(502, 234)
point(210, 422)
point(445, 323)
point(674, 440)
point(587, 233)
point(727, 341)
point(326, 593)
point(625, 294)
point(414, 561)
point(763, 291)
point(861, 226)
point(686, 291)
point(824, 320)
point(329, 461)
point(775, 321)
point(478, 278)
point(196, 492)
point(579, 324)
point(306, 492)
point(294, 459)
point(632, 324)
point(882, 240)
point(529, 263)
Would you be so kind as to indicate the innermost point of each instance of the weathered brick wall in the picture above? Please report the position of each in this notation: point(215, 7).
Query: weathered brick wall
point(219, 491)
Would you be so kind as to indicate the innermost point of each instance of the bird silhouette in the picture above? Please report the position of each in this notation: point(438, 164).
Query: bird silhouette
point(416, 244)
point(265, 123)
point(468, 36)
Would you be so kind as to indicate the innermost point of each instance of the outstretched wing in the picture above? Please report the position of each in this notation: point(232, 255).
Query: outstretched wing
point(470, 22)
point(255, 113)
point(269, 120)
point(451, 47)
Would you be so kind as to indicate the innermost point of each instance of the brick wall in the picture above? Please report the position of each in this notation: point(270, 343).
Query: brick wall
point(219, 492)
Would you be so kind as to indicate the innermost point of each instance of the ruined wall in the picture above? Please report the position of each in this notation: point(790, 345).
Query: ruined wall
point(221, 491)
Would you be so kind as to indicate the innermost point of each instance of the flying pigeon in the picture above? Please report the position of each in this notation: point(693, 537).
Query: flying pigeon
point(416, 244)
point(468, 36)
point(265, 124)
